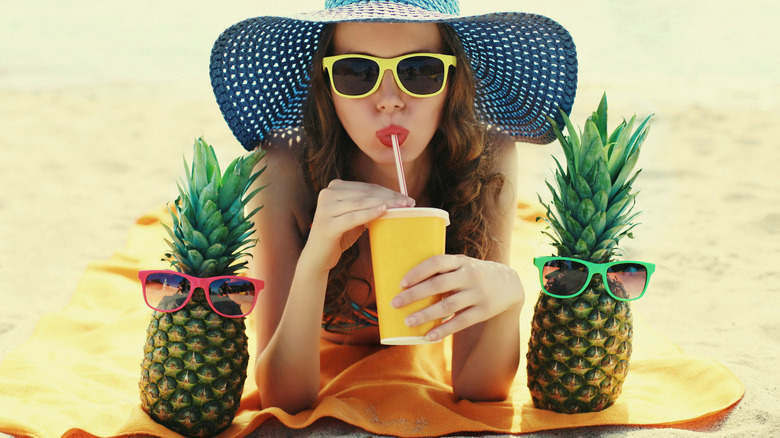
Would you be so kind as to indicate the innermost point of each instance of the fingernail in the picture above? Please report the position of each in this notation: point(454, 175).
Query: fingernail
point(432, 336)
point(411, 321)
point(396, 303)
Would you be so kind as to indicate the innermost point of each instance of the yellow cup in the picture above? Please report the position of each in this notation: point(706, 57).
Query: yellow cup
point(400, 240)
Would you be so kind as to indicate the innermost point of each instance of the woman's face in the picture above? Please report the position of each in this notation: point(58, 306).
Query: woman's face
point(365, 118)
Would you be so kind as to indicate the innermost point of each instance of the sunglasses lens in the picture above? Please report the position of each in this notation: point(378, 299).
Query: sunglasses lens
point(354, 76)
point(627, 280)
point(232, 296)
point(166, 291)
point(564, 278)
point(421, 74)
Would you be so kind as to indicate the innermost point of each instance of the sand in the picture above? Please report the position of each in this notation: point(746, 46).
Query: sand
point(98, 103)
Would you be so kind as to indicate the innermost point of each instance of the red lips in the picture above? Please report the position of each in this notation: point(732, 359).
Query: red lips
point(385, 135)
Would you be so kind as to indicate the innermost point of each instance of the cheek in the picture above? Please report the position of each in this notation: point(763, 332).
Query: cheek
point(430, 113)
point(347, 113)
point(355, 118)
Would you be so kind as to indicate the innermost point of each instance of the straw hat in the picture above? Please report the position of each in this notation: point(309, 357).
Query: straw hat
point(525, 65)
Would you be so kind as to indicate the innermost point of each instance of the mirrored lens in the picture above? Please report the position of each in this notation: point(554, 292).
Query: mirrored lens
point(563, 277)
point(627, 280)
point(166, 291)
point(354, 76)
point(232, 296)
point(421, 74)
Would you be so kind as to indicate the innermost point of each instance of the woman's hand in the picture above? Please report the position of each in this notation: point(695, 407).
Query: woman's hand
point(343, 209)
point(474, 291)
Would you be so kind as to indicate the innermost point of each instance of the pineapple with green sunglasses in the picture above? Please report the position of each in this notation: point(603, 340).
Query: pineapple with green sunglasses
point(582, 327)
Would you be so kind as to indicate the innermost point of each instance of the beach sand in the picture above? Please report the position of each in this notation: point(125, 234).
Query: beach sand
point(98, 103)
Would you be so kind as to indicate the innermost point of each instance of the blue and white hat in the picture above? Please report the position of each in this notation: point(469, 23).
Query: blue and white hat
point(525, 65)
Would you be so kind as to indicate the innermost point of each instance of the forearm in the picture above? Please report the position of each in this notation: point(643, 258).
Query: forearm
point(288, 369)
point(486, 357)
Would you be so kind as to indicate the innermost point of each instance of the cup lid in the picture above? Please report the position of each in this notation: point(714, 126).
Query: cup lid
point(416, 212)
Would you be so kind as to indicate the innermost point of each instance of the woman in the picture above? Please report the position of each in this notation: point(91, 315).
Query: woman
point(328, 179)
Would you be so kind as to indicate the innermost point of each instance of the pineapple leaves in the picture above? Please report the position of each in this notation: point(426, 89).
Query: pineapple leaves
point(212, 223)
point(602, 181)
point(230, 187)
point(592, 149)
point(568, 143)
point(581, 187)
point(205, 214)
point(628, 166)
point(592, 198)
point(585, 211)
point(573, 138)
point(215, 250)
point(210, 231)
point(600, 119)
point(618, 151)
point(589, 237)
point(599, 222)
point(199, 167)
point(195, 259)
point(600, 200)
point(211, 166)
point(639, 136)
point(219, 234)
point(571, 198)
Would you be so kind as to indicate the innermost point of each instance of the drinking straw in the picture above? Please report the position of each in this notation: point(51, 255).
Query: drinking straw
point(398, 166)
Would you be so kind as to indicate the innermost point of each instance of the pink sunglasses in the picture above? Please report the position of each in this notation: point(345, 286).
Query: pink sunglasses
point(229, 296)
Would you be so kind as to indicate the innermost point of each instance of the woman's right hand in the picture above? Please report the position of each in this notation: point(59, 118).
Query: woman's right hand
point(343, 209)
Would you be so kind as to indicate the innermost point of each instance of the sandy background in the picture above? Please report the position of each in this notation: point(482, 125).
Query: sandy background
point(100, 99)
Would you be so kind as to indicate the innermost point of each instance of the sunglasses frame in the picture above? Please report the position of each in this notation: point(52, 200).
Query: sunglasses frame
point(388, 64)
point(203, 283)
point(593, 268)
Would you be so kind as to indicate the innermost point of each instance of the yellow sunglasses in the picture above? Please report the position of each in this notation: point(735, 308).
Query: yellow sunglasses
point(417, 74)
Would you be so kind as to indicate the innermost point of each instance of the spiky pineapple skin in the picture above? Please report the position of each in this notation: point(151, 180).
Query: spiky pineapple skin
point(580, 347)
point(579, 351)
point(195, 360)
point(194, 369)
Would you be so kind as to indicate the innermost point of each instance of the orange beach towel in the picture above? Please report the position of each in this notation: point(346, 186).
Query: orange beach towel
point(78, 374)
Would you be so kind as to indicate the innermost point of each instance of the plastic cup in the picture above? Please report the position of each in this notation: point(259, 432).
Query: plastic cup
point(400, 240)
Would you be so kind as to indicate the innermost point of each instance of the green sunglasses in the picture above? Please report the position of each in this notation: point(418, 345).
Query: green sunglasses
point(564, 277)
point(417, 74)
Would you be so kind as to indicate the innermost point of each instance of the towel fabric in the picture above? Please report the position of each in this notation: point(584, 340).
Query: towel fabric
point(78, 374)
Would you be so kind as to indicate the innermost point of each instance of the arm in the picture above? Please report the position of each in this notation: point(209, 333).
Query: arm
point(486, 297)
point(280, 226)
point(289, 310)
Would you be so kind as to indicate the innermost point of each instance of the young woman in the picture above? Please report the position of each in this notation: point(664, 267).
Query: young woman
point(333, 173)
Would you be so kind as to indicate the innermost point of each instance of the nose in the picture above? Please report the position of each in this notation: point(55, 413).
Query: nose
point(389, 94)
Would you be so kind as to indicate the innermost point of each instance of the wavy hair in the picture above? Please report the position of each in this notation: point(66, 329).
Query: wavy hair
point(463, 180)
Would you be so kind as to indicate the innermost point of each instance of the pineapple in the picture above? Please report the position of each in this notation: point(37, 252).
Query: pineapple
point(195, 360)
point(580, 347)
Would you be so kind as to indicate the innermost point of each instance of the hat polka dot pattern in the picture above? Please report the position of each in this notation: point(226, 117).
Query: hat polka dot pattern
point(442, 6)
point(525, 66)
point(261, 77)
point(524, 72)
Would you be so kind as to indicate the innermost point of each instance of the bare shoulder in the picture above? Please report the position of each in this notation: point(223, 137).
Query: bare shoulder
point(506, 164)
point(286, 189)
point(505, 152)
point(505, 158)
point(283, 150)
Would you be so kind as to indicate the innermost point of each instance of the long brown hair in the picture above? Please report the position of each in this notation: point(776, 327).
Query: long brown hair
point(463, 180)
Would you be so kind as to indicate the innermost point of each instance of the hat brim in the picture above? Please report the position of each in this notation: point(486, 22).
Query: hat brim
point(525, 67)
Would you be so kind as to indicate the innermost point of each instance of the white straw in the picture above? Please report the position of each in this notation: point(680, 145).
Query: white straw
point(398, 166)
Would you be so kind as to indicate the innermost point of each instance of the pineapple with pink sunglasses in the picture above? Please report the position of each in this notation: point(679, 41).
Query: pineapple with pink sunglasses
point(195, 357)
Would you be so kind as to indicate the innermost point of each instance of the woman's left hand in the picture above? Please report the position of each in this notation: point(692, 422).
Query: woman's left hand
point(474, 291)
